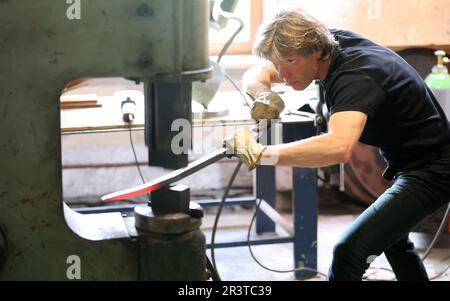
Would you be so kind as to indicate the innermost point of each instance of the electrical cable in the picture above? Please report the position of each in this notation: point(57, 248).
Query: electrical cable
point(224, 49)
point(270, 269)
point(427, 252)
point(438, 233)
point(253, 255)
point(377, 269)
point(135, 157)
point(216, 221)
point(228, 16)
point(219, 212)
point(227, 44)
point(321, 179)
point(441, 273)
point(237, 88)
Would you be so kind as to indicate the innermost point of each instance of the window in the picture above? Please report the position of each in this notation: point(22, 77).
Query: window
point(250, 12)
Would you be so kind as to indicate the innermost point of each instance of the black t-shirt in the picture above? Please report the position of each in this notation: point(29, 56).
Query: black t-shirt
point(404, 119)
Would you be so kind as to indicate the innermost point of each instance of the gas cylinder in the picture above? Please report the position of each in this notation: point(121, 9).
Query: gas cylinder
point(439, 82)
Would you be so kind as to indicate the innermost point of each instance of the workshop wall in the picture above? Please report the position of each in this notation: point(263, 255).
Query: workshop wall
point(394, 23)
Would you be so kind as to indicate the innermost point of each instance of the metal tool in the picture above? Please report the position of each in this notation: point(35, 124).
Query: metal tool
point(167, 179)
point(303, 114)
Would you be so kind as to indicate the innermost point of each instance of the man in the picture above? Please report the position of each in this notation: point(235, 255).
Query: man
point(374, 97)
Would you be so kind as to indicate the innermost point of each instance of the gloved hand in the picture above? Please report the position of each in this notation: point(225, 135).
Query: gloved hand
point(243, 144)
point(268, 105)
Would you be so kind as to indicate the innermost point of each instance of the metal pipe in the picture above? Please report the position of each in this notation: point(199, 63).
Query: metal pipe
point(276, 217)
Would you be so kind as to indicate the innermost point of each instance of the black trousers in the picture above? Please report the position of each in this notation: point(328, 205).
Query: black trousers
point(385, 225)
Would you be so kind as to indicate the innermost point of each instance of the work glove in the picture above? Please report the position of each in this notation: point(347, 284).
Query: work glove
point(268, 105)
point(243, 144)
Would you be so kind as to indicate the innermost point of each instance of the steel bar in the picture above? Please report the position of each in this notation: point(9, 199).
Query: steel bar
point(168, 179)
point(303, 114)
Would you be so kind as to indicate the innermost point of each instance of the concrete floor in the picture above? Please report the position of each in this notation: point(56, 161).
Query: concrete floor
point(236, 264)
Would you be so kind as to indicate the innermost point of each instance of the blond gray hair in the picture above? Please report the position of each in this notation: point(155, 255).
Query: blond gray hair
point(293, 30)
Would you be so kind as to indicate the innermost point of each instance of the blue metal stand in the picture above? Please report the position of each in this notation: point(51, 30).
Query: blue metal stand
point(304, 201)
point(305, 204)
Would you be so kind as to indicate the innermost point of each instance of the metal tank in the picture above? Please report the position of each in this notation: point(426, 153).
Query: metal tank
point(439, 82)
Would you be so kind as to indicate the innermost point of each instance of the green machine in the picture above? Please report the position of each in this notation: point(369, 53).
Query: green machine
point(44, 45)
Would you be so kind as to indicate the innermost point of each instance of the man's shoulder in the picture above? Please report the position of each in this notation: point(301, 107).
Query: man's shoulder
point(357, 53)
point(346, 33)
point(347, 38)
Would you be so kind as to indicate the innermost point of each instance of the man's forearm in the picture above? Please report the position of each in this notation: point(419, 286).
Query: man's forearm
point(324, 150)
point(256, 80)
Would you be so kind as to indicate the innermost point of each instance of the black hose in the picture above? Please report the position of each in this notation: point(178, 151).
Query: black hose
point(216, 220)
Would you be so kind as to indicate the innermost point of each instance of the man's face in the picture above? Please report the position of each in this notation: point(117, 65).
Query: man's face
point(298, 71)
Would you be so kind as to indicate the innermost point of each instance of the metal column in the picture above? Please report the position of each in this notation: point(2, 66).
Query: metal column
point(305, 204)
point(304, 201)
point(265, 189)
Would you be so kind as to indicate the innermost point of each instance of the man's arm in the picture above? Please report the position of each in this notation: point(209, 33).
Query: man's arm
point(259, 78)
point(335, 147)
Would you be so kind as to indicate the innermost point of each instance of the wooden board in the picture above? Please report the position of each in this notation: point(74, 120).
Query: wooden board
point(79, 101)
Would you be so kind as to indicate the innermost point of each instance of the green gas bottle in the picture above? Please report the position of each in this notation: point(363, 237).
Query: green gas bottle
point(439, 82)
